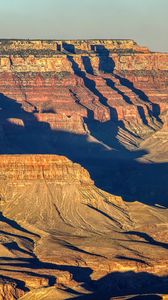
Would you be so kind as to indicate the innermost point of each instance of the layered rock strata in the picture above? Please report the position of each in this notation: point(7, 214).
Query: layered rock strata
point(58, 230)
point(67, 84)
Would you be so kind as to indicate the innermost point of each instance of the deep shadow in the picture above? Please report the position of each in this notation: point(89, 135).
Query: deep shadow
point(20, 137)
point(69, 47)
point(113, 169)
point(154, 107)
point(14, 246)
point(103, 131)
point(148, 239)
point(121, 257)
point(142, 115)
point(14, 224)
point(80, 274)
point(51, 279)
point(114, 284)
point(19, 283)
point(2, 232)
point(141, 285)
point(117, 171)
point(106, 127)
point(111, 84)
point(31, 265)
point(106, 63)
point(87, 64)
point(89, 83)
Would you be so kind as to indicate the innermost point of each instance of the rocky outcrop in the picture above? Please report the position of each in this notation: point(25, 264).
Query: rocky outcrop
point(65, 196)
point(58, 231)
point(49, 293)
point(83, 45)
point(9, 289)
point(38, 167)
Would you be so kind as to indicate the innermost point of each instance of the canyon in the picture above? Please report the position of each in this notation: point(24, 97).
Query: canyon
point(83, 170)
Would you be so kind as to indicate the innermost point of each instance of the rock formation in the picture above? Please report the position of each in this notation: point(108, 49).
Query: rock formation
point(58, 229)
point(62, 83)
point(83, 170)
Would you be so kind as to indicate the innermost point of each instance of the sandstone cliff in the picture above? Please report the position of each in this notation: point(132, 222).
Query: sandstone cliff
point(58, 230)
point(70, 83)
point(65, 195)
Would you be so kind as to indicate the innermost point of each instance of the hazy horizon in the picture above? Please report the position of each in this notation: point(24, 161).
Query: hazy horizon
point(144, 21)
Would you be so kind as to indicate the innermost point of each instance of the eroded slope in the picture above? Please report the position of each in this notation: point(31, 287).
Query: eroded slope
point(58, 229)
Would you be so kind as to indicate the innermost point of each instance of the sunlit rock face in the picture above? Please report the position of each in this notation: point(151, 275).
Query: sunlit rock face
point(83, 169)
point(67, 84)
point(61, 235)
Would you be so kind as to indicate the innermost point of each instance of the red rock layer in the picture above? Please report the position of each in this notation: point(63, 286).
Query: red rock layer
point(62, 83)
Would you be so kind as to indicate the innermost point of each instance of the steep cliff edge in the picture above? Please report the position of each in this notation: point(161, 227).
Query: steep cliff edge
point(62, 192)
point(58, 230)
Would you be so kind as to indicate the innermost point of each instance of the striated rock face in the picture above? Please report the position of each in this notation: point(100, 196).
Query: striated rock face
point(29, 167)
point(67, 84)
point(65, 193)
point(86, 45)
point(61, 235)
